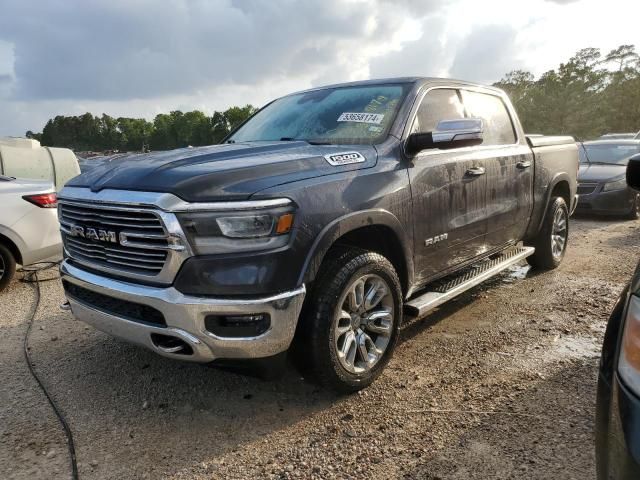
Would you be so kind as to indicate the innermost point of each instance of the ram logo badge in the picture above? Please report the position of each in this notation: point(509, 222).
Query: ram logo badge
point(344, 158)
point(93, 233)
point(438, 238)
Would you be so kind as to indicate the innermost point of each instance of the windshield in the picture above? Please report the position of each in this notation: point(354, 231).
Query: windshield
point(612, 154)
point(343, 115)
point(582, 154)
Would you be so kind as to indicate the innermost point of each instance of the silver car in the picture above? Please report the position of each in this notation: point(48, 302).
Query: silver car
point(28, 225)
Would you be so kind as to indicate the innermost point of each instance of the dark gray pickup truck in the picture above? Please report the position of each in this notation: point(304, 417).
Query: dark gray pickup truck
point(316, 224)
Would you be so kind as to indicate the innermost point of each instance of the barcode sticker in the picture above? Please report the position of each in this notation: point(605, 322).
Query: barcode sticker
point(375, 118)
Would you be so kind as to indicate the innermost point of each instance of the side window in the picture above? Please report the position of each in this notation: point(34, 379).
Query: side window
point(498, 128)
point(437, 105)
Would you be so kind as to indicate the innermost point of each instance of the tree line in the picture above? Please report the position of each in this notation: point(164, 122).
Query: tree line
point(167, 130)
point(587, 96)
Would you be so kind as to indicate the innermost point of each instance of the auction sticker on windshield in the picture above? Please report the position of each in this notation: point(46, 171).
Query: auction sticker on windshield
point(361, 117)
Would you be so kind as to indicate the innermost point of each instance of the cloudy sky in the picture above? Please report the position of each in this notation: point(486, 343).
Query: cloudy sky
point(142, 57)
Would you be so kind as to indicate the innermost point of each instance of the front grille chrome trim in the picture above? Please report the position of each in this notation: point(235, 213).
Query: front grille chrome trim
point(152, 250)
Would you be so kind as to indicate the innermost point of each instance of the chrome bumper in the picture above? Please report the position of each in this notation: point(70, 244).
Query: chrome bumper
point(184, 316)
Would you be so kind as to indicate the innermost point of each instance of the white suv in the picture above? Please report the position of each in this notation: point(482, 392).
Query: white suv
point(29, 231)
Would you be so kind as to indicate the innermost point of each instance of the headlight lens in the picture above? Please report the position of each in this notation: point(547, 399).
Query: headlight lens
point(615, 185)
point(629, 361)
point(238, 231)
point(248, 226)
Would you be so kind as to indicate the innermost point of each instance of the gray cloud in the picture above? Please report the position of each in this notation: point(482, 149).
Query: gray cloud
point(426, 56)
point(78, 49)
point(486, 54)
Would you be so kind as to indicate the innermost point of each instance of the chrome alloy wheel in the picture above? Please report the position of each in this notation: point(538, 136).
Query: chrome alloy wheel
point(364, 323)
point(559, 232)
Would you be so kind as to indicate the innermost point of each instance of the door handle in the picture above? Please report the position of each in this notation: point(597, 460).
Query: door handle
point(523, 165)
point(475, 171)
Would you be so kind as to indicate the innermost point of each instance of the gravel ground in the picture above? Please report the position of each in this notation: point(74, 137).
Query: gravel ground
point(499, 383)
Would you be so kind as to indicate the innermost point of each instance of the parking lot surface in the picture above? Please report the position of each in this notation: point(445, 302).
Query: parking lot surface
point(499, 383)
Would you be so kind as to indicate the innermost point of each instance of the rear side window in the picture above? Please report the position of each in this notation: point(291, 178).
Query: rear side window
point(437, 105)
point(498, 127)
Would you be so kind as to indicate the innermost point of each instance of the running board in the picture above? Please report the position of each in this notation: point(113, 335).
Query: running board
point(445, 289)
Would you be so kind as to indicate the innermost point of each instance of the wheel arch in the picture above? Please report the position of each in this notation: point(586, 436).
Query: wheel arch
point(11, 245)
point(560, 185)
point(375, 230)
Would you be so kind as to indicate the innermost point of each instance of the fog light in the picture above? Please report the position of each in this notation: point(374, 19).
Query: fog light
point(236, 326)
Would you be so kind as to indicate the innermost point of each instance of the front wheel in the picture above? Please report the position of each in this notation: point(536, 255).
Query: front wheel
point(7, 267)
point(551, 242)
point(352, 320)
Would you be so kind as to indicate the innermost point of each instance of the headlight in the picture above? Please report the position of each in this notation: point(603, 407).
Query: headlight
point(629, 361)
point(248, 226)
point(619, 184)
point(237, 231)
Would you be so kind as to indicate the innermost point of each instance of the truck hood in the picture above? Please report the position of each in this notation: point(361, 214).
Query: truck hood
point(221, 172)
point(596, 172)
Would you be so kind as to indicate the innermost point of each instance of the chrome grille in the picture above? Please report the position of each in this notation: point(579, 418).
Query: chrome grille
point(586, 188)
point(140, 244)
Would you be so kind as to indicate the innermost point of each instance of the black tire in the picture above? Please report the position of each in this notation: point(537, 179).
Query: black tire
point(634, 214)
point(544, 257)
point(7, 266)
point(318, 348)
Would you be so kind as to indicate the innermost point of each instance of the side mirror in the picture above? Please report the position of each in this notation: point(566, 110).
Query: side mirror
point(633, 172)
point(464, 132)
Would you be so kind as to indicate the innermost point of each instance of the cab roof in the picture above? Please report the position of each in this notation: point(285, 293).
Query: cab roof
point(417, 81)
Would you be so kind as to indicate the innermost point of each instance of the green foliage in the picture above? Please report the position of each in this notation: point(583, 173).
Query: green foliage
point(167, 131)
point(585, 97)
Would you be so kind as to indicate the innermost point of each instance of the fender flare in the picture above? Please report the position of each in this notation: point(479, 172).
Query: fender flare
point(347, 223)
point(553, 183)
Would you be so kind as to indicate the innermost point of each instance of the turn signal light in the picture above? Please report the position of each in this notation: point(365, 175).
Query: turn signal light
point(43, 200)
point(285, 222)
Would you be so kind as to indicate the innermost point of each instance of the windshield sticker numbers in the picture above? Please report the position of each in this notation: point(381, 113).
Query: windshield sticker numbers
point(344, 158)
point(375, 118)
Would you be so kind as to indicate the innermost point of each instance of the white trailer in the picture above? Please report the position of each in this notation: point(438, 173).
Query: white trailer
point(26, 158)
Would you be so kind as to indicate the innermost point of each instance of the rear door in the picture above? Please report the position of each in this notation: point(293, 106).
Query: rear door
point(448, 194)
point(509, 168)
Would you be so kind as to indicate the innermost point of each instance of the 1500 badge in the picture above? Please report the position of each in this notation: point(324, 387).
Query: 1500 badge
point(344, 158)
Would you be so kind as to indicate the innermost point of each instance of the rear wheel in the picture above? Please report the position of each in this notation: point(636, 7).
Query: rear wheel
point(551, 242)
point(352, 320)
point(7, 266)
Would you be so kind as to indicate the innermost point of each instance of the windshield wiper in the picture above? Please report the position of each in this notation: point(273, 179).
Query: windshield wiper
point(310, 142)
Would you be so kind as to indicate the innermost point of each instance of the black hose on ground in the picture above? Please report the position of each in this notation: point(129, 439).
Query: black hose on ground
point(31, 276)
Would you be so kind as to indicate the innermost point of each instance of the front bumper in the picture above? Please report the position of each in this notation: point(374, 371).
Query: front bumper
point(615, 202)
point(184, 317)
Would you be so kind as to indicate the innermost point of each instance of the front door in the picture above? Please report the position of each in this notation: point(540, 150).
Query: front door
point(448, 190)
